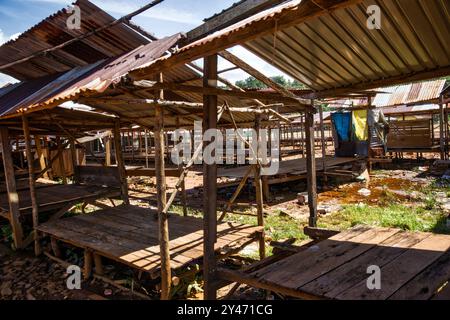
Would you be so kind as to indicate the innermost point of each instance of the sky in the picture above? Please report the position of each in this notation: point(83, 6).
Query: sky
point(167, 18)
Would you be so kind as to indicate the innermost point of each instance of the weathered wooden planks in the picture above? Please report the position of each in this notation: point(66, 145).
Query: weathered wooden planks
point(413, 265)
point(53, 196)
point(129, 235)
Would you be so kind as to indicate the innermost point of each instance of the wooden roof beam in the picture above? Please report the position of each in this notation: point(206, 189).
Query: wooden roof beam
point(230, 16)
point(221, 92)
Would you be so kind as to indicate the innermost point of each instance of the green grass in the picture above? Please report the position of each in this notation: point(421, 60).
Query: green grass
point(419, 218)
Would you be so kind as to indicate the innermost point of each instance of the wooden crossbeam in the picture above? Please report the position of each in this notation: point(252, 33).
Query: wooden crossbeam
point(217, 91)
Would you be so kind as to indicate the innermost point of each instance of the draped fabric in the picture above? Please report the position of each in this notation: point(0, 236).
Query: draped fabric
point(342, 124)
point(360, 125)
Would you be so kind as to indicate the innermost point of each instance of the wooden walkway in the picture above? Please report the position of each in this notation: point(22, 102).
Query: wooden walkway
point(413, 266)
point(295, 167)
point(129, 235)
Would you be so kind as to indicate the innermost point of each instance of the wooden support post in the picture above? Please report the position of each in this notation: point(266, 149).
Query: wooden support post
point(209, 184)
point(55, 247)
point(146, 148)
point(40, 154)
point(13, 197)
point(98, 264)
point(87, 264)
point(32, 183)
point(259, 191)
point(324, 149)
point(73, 156)
point(166, 276)
point(183, 183)
point(120, 163)
point(441, 127)
point(108, 151)
point(311, 169)
point(61, 160)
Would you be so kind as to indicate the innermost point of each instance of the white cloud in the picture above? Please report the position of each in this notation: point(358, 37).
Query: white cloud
point(4, 79)
point(122, 7)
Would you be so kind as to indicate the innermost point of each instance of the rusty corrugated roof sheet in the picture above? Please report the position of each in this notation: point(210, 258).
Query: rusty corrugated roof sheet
point(410, 94)
point(53, 30)
point(96, 77)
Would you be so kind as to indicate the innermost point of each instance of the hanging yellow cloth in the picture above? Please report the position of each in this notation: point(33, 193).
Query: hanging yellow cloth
point(360, 125)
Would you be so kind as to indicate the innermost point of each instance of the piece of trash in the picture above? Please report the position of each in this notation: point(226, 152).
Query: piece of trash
point(108, 292)
point(364, 192)
point(423, 169)
point(314, 248)
point(302, 199)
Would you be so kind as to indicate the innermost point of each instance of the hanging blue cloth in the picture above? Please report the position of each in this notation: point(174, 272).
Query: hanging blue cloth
point(342, 123)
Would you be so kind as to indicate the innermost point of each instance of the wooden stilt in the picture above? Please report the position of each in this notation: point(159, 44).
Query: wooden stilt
point(209, 184)
point(32, 182)
point(98, 264)
point(108, 151)
point(55, 247)
point(441, 127)
point(40, 154)
point(324, 149)
point(183, 183)
point(146, 148)
point(73, 156)
point(61, 160)
point(120, 163)
point(259, 191)
point(13, 197)
point(87, 264)
point(311, 169)
point(166, 277)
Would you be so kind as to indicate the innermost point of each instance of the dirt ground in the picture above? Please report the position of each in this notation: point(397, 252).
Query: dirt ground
point(25, 277)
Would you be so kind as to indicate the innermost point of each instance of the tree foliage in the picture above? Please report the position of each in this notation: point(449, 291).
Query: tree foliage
point(253, 83)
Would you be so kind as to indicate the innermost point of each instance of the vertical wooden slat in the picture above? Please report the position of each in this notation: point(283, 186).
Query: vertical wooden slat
point(311, 169)
point(32, 184)
point(166, 276)
point(209, 183)
point(120, 163)
point(13, 197)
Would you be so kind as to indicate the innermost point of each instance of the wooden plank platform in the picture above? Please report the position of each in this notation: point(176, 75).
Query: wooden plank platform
point(129, 234)
point(294, 167)
point(413, 266)
point(54, 196)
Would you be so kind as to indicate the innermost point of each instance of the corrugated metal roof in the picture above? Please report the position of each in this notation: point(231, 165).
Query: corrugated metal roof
point(109, 43)
point(338, 50)
point(96, 77)
point(334, 49)
point(409, 94)
point(411, 110)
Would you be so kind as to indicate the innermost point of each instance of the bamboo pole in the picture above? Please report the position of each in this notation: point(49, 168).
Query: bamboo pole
point(166, 277)
point(32, 182)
